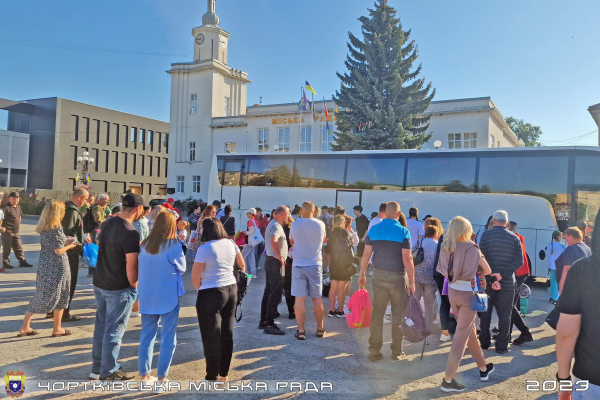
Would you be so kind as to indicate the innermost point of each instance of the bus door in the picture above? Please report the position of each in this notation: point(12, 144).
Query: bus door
point(348, 199)
point(231, 177)
point(587, 205)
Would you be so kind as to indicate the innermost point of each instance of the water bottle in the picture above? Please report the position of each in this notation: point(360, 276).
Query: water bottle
point(524, 303)
point(409, 322)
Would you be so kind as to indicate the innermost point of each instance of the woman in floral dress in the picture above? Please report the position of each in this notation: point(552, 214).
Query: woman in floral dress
point(53, 275)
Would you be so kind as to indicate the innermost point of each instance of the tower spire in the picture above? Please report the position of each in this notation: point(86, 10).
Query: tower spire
point(211, 18)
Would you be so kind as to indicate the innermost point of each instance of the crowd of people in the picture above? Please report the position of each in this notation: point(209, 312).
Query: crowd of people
point(142, 257)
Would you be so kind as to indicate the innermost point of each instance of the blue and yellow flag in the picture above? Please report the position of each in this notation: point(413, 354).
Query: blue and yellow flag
point(308, 87)
point(88, 178)
point(335, 107)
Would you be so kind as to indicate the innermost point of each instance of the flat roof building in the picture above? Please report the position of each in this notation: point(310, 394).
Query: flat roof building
point(14, 156)
point(130, 151)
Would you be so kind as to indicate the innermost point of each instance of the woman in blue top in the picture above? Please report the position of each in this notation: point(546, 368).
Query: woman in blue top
point(553, 251)
point(161, 264)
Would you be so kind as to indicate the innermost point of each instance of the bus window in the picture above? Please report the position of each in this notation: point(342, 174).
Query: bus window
point(319, 172)
point(534, 176)
point(375, 173)
point(441, 174)
point(586, 170)
point(232, 173)
point(269, 171)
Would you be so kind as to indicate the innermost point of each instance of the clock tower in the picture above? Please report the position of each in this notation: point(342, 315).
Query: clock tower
point(202, 90)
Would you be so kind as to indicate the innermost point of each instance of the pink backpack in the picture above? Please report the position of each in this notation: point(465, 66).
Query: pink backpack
point(360, 309)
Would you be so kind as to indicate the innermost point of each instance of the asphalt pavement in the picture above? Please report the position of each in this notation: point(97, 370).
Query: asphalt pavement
point(335, 366)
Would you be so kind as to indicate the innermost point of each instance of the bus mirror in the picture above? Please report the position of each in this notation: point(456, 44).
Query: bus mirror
point(542, 254)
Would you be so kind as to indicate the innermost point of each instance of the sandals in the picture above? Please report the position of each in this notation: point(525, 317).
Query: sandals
point(300, 335)
point(32, 333)
point(321, 332)
point(67, 333)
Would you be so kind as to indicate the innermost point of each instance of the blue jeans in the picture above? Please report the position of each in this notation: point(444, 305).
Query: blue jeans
point(553, 285)
point(113, 308)
point(168, 341)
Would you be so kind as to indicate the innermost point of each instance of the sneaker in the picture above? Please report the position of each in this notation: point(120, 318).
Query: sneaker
point(273, 330)
point(398, 357)
point(484, 376)
point(523, 338)
point(451, 386)
point(371, 273)
point(332, 314)
point(375, 357)
point(135, 314)
point(502, 351)
point(553, 301)
point(25, 264)
point(118, 376)
point(340, 314)
point(90, 276)
point(387, 319)
point(276, 315)
point(444, 338)
point(94, 377)
point(262, 325)
point(7, 266)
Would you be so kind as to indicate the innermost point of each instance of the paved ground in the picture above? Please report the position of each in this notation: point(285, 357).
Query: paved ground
point(339, 358)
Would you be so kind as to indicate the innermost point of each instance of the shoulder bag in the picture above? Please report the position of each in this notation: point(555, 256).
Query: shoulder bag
point(418, 254)
point(479, 301)
point(256, 237)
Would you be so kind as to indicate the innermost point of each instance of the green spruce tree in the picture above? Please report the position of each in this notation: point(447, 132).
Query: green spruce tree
point(382, 95)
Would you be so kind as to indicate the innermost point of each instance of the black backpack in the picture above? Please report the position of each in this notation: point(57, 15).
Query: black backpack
point(341, 252)
point(242, 285)
point(88, 221)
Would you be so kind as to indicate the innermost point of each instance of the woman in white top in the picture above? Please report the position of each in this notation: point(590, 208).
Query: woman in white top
point(460, 259)
point(553, 251)
point(212, 276)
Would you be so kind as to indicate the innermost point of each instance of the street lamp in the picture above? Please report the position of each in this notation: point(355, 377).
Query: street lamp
point(437, 144)
point(85, 163)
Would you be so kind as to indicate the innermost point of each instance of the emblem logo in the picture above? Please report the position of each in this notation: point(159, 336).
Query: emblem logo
point(15, 383)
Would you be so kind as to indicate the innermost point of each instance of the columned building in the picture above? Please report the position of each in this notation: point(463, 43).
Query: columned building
point(209, 116)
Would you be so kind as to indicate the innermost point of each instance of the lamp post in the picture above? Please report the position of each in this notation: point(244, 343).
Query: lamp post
point(437, 144)
point(85, 162)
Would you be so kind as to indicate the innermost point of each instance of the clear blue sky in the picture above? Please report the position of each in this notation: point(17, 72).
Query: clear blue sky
point(538, 60)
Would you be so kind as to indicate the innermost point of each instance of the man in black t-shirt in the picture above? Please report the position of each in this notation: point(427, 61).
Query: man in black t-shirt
point(115, 288)
point(10, 232)
point(579, 326)
point(362, 225)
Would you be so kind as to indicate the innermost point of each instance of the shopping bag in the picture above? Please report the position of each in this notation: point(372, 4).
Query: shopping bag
point(360, 309)
point(90, 254)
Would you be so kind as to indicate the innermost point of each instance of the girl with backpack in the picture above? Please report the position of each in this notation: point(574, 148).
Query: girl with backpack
point(339, 246)
point(460, 260)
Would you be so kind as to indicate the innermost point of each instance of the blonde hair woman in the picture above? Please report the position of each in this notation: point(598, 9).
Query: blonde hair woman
point(153, 215)
point(53, 276)
point(161, 264)
point(460, 259)
point(340, 272)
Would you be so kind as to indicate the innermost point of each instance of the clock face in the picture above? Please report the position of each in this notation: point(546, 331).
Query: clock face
point(223, 43)
point(200, 38)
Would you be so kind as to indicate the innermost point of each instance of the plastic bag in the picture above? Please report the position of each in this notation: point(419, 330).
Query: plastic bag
point(360, 309)
point(90, 254)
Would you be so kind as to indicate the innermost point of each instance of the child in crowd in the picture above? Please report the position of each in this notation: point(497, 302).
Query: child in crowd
point(182, 234)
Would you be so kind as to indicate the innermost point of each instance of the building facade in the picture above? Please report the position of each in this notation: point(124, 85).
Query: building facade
point(130, 152)
point(209, 116)
point(14, 157)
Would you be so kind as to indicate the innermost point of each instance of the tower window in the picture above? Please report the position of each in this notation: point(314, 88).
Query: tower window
point(192, 151)
point(193, 103)
point(226, 107)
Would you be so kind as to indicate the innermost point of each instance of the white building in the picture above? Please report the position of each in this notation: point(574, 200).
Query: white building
point(209, 116)
point(14, 153)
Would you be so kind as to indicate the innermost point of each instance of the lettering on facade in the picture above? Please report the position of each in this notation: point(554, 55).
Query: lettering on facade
point(296, 120)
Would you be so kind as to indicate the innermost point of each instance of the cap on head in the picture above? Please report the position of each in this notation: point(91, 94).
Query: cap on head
point(170, 200)
point(427, 216)
point(132, 200)
point(250, 211)
point(14, 194)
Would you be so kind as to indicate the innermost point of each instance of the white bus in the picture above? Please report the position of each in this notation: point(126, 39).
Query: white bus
point(543, 189)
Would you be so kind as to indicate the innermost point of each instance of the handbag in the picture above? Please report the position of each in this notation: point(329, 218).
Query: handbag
point(479, 301)
point(418, 254)
point(256, 237)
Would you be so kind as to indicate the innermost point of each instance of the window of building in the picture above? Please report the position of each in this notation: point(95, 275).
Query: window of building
point(106, 161)
point(226, 107)
point(470, 140)
point(151, 162)
point(319, 172)
point(368, 172)
point(158, 166)
point(283, 140)
point(455, 140)
point(117, 134)
point(134, 158)
point(192, 151)
point(97, 127)
point(306, 139)
point(124, 162)
point(76, 133)
point(230, 147)
point(125, 131)
point(133, 134)
point(142, 135)
point(166, 141)
point(180, 184)
point(196, 184)
point(87, 129)
point(75, 155)
point(151, 140)
point(326, 139)
point(263, 140)
point(193, 103)
point(166, 164)
point(492, 141)
point(116, 157)
point(107, 133)
point(434, 174)
point(143, 164)
point(96, 153)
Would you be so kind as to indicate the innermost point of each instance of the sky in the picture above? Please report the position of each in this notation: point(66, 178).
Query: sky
point(538, 60)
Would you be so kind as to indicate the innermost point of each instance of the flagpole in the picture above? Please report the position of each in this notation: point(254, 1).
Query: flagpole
point(300, 121)
point(312, 122)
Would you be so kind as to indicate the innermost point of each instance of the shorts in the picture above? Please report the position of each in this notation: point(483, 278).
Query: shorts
point(307, 281)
